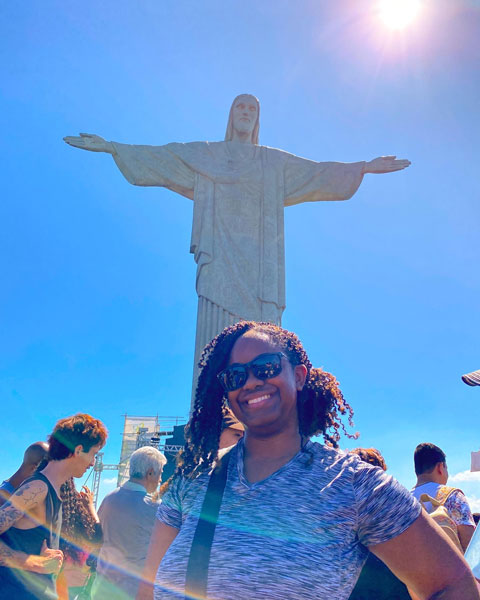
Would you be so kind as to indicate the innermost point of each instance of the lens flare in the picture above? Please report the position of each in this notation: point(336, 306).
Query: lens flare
point(397, 14)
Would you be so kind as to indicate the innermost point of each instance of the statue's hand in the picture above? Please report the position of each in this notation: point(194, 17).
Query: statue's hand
point(89, 141)
point(386, 164)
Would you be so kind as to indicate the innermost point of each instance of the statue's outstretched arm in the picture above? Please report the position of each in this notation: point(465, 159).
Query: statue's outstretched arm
point(386, 164)
point(89, 141)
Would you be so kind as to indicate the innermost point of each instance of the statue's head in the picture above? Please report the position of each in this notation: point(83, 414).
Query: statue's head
point(244, 117)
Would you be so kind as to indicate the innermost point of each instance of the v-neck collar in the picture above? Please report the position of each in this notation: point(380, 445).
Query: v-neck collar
point(241, 464)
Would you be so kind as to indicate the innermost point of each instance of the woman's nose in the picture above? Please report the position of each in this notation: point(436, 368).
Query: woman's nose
point(252, 381)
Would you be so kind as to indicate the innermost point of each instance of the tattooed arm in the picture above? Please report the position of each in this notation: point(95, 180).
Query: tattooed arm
point(25, 502)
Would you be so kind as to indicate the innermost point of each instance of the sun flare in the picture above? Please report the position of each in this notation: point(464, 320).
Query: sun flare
point(397, 14)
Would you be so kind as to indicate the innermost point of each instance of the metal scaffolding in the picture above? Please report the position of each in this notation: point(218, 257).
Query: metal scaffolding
point(98, 468)
point(139, 432)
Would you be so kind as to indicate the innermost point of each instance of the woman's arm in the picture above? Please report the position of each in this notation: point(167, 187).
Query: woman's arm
point(465, 533)
point(162, 536)
point(428, 563)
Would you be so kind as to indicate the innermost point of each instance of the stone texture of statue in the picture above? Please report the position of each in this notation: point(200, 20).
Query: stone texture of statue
point(239, 189)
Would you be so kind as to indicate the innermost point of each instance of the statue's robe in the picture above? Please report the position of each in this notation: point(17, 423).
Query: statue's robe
point(239, 191)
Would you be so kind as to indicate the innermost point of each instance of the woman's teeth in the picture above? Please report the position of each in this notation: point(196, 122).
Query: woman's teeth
point(257, 400)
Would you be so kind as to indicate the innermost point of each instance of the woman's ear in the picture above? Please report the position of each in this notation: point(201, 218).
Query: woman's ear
point(300, 372)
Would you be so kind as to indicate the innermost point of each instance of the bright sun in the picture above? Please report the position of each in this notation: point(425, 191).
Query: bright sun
point(397, 14)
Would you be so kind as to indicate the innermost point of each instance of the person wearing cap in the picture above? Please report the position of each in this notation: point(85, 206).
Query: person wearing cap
point(472, 378)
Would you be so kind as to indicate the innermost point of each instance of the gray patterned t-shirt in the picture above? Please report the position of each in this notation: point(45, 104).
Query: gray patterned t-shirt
point(300, 534)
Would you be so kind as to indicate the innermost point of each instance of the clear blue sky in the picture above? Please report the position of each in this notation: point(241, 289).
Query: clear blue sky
point(97, 296)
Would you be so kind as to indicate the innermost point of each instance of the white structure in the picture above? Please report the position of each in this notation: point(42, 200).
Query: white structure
point(137, 432)
point(240, 190)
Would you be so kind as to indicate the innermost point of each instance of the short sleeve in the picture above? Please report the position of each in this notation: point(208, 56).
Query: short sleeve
point(458, 508)
point(385, 508)
point(170, 509)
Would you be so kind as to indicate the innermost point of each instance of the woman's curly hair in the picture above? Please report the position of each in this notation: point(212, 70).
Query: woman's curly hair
point(320, 403)
point(79, 527)
point(371, 456)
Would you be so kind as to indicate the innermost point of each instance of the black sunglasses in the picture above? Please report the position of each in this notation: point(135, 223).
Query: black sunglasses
point(264, 366)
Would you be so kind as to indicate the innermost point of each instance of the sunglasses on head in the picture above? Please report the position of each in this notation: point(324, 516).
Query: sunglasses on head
point(264, 366)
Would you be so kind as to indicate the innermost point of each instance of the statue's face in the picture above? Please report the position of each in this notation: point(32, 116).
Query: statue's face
point(245, 114)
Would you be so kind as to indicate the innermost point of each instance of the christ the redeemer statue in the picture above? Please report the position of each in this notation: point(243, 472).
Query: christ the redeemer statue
point(239, 190)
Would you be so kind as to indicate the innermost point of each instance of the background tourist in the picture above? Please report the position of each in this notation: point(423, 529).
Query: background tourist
point(127, 516)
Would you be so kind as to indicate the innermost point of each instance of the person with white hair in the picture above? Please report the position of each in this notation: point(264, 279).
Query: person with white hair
point(127, 516)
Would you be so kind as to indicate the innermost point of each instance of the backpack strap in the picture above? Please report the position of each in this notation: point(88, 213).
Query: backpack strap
point(197, 570)
point(424, 498)
point(444, 492)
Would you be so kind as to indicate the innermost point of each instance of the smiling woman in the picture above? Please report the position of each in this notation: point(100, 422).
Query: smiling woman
point(280, 515)
point(308, 401)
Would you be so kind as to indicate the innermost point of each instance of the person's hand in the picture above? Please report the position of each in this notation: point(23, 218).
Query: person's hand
point(86, 496)
point(89, 141)
point(49, 561)
point(386, 164)
point(87, 499)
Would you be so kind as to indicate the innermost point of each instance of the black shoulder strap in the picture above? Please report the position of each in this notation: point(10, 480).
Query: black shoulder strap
point(199, 559)
point(51, 514)
point(50, 517)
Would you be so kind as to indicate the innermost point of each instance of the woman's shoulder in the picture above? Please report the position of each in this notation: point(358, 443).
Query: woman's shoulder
point(333, 462)
point(329, 454)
